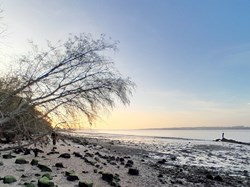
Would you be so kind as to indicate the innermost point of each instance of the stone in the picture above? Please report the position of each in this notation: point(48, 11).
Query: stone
point(36, 151)
point(89, 155)
point(29, 184)
point(18, 151)
point(67, 173)
point(245, 173)
point(48, 176)
point(64, 155)
point(115, 184)
point(53, 152)
point(209, 176)
point(163, 161)
point(108, 177)
point(26, 151)
point(173, 157)
point(34, 162)
point(77, 154)
point(8, 156)
point(21, 161)
point(112, 163)
point(218, 178)
point(85, 184)
point(9, 179)
point(72, 177)
point(44, 168)
point(45, 182)
point(160, 175)
point(129, 163)
point(133, 171)
point(24, 176)
point(59, 165)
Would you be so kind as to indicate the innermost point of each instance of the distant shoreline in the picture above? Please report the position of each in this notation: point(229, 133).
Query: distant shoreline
point(200, 128)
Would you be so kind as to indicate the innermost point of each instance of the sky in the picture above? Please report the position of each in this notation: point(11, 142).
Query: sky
point(189, 59)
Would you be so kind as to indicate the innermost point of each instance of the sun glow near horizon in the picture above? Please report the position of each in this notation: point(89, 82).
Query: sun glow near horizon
point(129, 119)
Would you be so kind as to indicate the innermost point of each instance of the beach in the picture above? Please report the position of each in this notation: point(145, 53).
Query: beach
point(119, 162)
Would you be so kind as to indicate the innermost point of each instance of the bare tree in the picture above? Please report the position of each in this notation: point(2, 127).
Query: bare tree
point(72, 78)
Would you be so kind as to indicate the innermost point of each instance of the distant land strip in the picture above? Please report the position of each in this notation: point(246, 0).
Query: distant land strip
point(201, 128)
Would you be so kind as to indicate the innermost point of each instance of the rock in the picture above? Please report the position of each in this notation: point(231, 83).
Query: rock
point(89, 161)
point(129, 163)
point(53, 152)
point(18, 151)
point(160, 175)
point(9, 179)
point(29, 184)
point(45, 182)
point(173, 157)
point(8, 156)
point(44, 168)
point(112, 163)
point(209, 176)
point(72, 177)
point(108, 177)
point(21, 161)
point(48, 176)
point(59, 165)
point(245, 173)
point(89, 155)
point(36, 151)
point(64, 155)
point(24, 176)
point(77, 154)
point(133, 171)
point(115, 184)
point(1, 163)
point(95, 170)
point(218, 178)
point(34, 162)
point(67, 173)
point(84, 184)
point(163, 161)
point(26, 151)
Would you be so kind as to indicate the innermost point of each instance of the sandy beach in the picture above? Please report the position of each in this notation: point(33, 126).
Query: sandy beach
point(106, 162)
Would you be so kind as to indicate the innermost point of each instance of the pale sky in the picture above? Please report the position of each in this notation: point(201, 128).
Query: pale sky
point(190, 59)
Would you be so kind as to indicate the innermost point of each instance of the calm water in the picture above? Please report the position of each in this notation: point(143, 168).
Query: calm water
point(239, 135)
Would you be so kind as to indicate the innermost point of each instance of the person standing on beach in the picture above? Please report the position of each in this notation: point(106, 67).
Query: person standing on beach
point(54, 137)
point(222, 135)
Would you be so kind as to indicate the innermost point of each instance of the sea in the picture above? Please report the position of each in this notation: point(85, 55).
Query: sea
point(238, 135)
